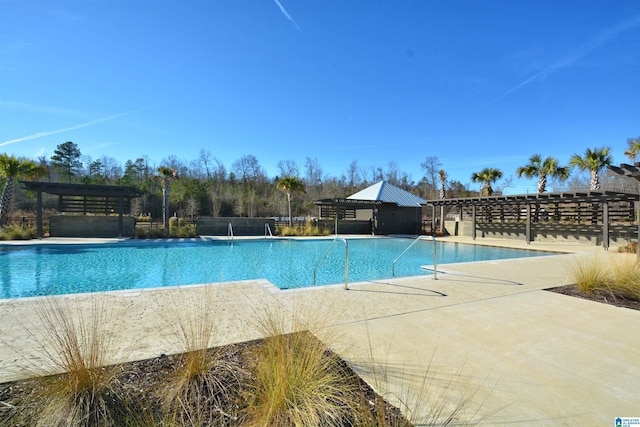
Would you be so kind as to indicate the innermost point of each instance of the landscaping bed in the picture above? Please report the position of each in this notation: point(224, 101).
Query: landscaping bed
point(601, 296)
point(153, 392)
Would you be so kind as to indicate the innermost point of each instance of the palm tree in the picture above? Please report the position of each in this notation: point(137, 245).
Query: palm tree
point(543, 169)
point(634, 148)
point(289, 185)
point(443, 180)
point(166, 177)
point(594, 161)
point(487, 176)
point(12, 167)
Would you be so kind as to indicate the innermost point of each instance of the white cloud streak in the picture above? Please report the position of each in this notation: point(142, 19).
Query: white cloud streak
point(286, 14)
point(580, 52)
point(54, 132)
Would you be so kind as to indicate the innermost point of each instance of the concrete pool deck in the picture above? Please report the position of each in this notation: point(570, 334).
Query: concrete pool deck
point(485, 333)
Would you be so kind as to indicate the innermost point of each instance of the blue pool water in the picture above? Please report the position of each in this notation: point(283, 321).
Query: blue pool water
point(63, 269)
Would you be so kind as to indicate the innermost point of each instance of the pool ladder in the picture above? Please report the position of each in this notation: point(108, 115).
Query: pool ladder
point(435, 260)
point(346, 261)
point(230, 232)
point(267, 229)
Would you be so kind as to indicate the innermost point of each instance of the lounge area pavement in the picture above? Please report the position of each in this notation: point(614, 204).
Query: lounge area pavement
point(485, 337)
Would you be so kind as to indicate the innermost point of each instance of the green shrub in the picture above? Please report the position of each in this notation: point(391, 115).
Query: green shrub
point(17, 232)
point(284, 230)
point(309, 229)
point(178, 227)
point(630, 248)
point(150, 233)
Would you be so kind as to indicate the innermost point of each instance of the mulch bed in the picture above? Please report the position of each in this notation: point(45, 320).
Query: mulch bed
point(598, 296)
point(142, 382)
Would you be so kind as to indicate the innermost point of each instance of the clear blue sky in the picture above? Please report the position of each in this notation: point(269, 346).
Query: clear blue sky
point(475, 83)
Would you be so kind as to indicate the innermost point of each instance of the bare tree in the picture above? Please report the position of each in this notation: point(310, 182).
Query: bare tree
point(247, 168)
point(192, 207)
point(431, 166)
point(392, 174)
point(353, 175)
point(206, 159)
point(288, 168)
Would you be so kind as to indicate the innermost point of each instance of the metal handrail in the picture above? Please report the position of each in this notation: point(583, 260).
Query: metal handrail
point(435, 260)
point(230, 231)
point(267, 228)
point(346, 261)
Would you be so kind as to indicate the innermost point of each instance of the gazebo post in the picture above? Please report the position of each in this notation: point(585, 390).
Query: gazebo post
point(605, 225)
point(528, 225)
point(473, 222)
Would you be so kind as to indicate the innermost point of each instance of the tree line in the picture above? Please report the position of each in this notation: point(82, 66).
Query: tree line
point(206, 187)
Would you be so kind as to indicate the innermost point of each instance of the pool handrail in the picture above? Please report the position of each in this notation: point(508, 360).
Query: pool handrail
point(230, 231)
point(346, 263)
point(435, 261)
point(267, 228)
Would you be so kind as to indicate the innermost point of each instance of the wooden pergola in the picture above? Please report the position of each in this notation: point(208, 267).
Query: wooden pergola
point(342, 208)
point(83, 198)
point(586, 206)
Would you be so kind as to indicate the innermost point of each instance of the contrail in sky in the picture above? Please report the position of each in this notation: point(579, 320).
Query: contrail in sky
point(54, 132)
point(583, 50)
point(284, 12)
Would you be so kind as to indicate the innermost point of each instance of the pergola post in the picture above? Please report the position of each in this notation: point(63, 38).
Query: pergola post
point(638, 235)
point(528, 225)
point(120, 213)
point(39, 227)
point(605, 225)
point(433, 219)
point(473, 222)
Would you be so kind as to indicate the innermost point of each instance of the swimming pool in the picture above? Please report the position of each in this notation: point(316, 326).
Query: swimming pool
point(33, 270)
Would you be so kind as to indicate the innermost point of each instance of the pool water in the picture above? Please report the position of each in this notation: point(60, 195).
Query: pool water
point(33, 270)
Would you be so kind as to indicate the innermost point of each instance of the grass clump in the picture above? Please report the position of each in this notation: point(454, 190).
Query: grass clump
point(619, 278)
point(201, 389)
point(295, 380)
point(77, 388)
point(626, 283)
point(591, 275)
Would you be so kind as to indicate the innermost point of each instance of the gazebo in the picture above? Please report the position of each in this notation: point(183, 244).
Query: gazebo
point(103, 200)
point(386, 208)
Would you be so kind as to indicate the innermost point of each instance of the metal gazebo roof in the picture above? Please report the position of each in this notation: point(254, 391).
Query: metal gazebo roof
point(384, 192)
